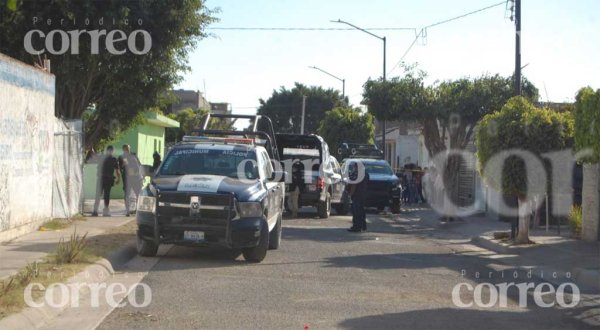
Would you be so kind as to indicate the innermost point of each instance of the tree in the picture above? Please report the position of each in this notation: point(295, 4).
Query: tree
point(188, 120)
point(346, 125)
point(117, 86)
point(447, 112)
point(532, 131)
point(284, 107)
point(587, 123)
point(587, 141)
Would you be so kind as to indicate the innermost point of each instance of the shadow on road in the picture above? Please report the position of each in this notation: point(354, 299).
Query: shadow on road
point(449, 318)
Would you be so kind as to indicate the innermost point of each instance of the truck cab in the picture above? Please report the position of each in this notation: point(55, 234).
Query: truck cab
point(215, 191)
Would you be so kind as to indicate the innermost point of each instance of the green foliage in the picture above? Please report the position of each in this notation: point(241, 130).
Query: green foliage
point(404, 98)
point(346, 125)
point(188, 120)
point(587, 122)
point(450, 109)
point(284, 107)
point(520, 125)
point(575, 220)
point(68, 252)
point(119, 86)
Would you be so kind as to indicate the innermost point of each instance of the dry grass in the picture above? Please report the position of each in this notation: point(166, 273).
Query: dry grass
point(48, 271)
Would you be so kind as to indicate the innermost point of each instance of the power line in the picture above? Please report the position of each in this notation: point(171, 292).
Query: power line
point(306, 29)
point(423, 31)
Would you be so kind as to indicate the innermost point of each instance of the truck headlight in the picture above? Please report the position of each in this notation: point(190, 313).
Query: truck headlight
point(146, 204)
point(250, 209)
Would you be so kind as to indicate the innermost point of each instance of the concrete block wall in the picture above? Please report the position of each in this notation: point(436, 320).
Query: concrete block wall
point(26, 147)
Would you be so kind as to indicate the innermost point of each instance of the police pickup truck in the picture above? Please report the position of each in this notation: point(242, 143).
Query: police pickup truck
point(215, 191)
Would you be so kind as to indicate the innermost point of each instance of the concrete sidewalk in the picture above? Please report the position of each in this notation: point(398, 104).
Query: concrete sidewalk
point(551, 253)
point(16, 254)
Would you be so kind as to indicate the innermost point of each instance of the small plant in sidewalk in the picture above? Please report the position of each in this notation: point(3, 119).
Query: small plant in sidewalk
point(575, 219)
point(68, 252)
point(6, 286)
point(30, 272)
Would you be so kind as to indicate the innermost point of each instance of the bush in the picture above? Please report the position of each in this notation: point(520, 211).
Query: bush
point(575, 220)
point(70, 251)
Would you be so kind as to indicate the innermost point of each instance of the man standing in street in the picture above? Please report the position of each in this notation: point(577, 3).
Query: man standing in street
point(132, 177)
point(357, 189)
point(296, 186)
point(107, 175)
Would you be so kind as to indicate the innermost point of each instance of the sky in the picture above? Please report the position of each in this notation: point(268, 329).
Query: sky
point(559, 46)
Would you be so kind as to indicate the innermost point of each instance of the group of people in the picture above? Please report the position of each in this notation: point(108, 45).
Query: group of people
point(111, 170)
point(412, 183)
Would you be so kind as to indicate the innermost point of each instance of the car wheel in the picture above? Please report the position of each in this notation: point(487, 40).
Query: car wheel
point(324, 208)
point(396, 206)
point(275, 235)
point(146, 248)
point(258, 253)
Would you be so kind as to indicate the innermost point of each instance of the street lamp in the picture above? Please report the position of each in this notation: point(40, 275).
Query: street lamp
point(384, 44)
point(338, 78)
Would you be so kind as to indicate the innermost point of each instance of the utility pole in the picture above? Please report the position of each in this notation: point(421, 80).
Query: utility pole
point(336, 77)
point(383, 122)
point(518, 82)
point(303, 111)
point(383, 76)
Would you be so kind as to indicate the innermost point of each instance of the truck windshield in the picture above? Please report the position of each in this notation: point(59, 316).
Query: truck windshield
point(211, 161)
point(378, 169)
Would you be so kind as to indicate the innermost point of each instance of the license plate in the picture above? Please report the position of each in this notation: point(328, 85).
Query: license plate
point(312, 187)
point(193, 235)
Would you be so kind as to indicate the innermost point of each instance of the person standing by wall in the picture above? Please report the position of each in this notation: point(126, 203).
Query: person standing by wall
point(156, 161)
point(132, 177)
point(107, 175)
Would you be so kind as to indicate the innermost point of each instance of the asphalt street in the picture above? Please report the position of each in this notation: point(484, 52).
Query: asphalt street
point(398, 275)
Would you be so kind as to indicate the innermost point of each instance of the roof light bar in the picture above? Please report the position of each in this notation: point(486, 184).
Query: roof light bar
point(209, 139)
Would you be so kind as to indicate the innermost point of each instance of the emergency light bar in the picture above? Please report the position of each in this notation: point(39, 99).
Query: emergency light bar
point(209, 139)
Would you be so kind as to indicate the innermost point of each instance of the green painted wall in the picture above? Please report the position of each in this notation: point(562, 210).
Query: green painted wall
point(144, 140)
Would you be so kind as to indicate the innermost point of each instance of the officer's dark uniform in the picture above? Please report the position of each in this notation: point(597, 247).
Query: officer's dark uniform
point(359, 195)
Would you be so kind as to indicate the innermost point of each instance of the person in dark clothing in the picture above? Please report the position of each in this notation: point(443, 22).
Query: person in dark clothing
point(132, 177)
point(157, 161)
point(107, 175)
point(296, 187)
point(358, 193)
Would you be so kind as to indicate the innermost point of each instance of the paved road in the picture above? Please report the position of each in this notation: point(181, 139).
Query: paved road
point(400, 274)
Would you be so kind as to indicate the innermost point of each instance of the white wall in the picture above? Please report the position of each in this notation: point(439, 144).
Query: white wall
point(26, 147)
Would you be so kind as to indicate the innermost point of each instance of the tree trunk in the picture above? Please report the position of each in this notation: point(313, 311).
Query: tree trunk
point(524, 215)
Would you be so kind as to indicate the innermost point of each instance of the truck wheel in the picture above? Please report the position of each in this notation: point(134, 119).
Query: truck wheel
point(258, 253)
point(324, 208)
point(146, 248)
point(275, 235)
point(396, 206)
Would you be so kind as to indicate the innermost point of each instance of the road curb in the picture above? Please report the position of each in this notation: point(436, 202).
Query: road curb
point(489, 244)
point(38, 317)
point(586, 279)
